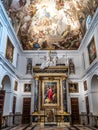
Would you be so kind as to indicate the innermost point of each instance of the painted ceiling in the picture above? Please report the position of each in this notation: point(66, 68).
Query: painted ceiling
point(50, 24)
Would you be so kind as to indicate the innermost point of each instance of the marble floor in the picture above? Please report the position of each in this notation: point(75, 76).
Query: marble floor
point(37, 127)
point(77, 127)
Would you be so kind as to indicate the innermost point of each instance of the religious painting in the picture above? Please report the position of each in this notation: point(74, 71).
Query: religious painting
point(50, 93)
point(49, 115)
point(27, 87)
point(16, 86)
point(85, 85)
point(9, 50)
point(73, 87)
point(92, 51)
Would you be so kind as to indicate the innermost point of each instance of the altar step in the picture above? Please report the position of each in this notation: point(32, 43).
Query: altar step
point(50, 124)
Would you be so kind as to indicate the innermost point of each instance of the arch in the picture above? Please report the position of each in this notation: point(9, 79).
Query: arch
point(6, 85)
point(94, 83)
point(94, 93)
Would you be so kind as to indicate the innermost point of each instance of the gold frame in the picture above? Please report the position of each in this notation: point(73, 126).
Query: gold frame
point(50, 82)
point(92, 53)
point(73, 87)
point(15, 85)
point(26, 85)
point(9, 54)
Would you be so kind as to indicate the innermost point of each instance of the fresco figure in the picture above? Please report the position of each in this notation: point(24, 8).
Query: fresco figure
point(50, 94)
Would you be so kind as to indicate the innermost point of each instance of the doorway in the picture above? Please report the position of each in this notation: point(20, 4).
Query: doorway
point(14, 107)
point(87, 108)
point(26, 110)
point(75, 111)
point(2, 96)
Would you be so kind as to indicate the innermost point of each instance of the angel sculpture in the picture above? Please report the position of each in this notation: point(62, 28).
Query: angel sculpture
point(49, 61)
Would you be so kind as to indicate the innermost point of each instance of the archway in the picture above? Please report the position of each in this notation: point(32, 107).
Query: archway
point(6, 85)
point(94, 93)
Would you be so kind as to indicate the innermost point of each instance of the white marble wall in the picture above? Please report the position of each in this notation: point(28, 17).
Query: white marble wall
point(17, 69)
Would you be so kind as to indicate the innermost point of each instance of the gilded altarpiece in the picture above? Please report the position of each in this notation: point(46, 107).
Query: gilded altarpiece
point(52, 96)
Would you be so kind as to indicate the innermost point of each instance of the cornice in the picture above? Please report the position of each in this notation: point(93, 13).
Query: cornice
point(90, 31)
point(88, 72)
point(8, 66)
point(91, 69)
point(9, 27)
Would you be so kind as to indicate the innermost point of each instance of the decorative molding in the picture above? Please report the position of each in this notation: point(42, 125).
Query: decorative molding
point(93, 24)
point(51, 69)
point(8, 25)
point(8, 65)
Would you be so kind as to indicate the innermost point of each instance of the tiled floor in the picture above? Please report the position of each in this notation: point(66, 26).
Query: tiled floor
point(75, 127)
point(66, 128)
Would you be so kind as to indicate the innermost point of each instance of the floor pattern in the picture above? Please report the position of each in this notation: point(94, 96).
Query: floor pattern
point(28, 127)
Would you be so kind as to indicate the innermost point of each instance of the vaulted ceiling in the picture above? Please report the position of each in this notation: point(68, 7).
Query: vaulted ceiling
point(50, 24)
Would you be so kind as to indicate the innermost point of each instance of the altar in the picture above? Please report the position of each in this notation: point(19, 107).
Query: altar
point(58, 119)
point(50, 100)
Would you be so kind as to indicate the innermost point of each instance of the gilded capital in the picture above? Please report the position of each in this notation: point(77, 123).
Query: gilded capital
point(36, 77)
point(64, 77)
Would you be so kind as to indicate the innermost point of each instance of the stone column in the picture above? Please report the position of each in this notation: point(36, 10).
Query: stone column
point(36, 93)
point(64, 90)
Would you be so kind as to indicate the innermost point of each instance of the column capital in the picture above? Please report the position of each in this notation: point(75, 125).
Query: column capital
point(64, 77)
point(36, 77)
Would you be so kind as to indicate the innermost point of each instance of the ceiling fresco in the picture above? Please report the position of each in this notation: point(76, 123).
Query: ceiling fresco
point(50, 24)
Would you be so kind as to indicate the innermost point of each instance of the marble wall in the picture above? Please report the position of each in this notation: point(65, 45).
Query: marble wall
point(17, 69)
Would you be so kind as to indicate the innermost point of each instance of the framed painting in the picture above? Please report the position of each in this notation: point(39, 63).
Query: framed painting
point(16, 86)
point(9, 50)
point(92, 51)
point(85, 85)
point(50, 93)
point(27, 87)
point(50, 115)
point(73, 87)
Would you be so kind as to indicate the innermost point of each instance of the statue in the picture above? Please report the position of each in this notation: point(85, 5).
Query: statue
point(29, 67)
point(71, 67)
point(50, 61)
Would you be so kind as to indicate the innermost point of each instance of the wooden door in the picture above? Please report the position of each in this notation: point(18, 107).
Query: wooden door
point(14, 104)
point(87, 107)
point(75, 111)
point(14, 107)
point(26, 110)
point(2, 97)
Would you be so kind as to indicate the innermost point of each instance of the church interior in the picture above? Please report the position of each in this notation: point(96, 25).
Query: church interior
point(48, 64)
